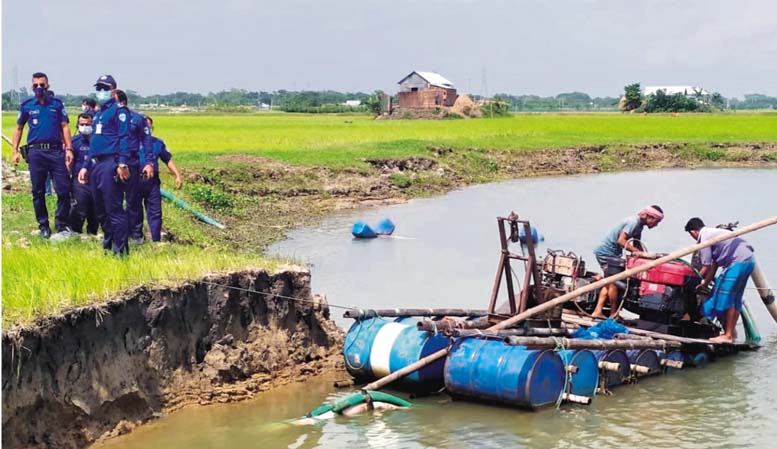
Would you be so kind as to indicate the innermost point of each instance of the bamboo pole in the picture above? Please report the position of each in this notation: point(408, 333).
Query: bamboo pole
point(360, 314)
point(574, 294)
point(448, 325)
point(536, 332)
point(579, 343)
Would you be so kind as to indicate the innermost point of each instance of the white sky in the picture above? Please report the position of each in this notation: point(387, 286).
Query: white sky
point(542, 47)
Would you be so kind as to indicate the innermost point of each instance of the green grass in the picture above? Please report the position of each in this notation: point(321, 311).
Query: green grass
point(346, 140)
point(47, 277)
point(42, 277)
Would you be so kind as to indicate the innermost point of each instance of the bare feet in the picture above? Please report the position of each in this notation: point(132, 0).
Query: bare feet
point(722, 339)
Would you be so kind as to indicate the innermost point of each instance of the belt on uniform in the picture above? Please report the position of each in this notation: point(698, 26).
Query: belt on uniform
point(103, 157)
point(44, 146)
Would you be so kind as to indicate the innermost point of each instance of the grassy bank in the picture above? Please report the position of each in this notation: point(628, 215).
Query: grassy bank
point(264, 174)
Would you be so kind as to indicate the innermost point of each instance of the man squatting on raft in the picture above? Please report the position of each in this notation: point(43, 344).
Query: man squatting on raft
point(626, 235)
point(735, 256)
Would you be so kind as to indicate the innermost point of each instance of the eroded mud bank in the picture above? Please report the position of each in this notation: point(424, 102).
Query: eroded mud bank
point(99, 371)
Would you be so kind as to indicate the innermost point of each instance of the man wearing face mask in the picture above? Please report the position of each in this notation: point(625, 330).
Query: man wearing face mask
point(48, 152)
point(83, 204)
point(150, 187)
point(139, 140)
point(89, 106)
point(106, 168)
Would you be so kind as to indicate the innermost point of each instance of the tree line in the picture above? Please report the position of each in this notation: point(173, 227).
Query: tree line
point(329, 101)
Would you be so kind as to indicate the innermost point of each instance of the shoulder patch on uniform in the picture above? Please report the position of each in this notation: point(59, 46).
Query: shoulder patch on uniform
point(123, 117)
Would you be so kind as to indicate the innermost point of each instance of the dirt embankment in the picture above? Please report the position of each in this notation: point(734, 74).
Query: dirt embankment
point(99, 371)
point(271, 197)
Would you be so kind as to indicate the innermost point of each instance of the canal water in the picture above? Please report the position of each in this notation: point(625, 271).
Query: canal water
point(444, 254)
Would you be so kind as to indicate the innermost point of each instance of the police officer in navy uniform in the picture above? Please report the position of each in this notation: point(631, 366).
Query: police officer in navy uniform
point(49, 152)
point(139, 140)
point(107, 168)
point(82, 208)
point(150, 188)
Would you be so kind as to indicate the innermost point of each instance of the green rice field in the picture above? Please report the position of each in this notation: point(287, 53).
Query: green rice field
point(343, 140)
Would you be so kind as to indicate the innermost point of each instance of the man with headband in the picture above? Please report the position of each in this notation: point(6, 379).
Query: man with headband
point(626, 235)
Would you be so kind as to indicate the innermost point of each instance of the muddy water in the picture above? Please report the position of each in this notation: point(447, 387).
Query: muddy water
point(444, 255)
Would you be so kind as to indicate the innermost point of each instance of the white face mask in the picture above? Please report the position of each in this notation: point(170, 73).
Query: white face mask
point(85, 129)
point(103, 96)
point(83, 108)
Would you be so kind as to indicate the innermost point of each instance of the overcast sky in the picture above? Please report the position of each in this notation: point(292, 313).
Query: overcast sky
point(539, 47)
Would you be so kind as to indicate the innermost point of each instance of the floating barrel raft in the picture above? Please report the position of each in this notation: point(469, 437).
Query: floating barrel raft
point(526, 367)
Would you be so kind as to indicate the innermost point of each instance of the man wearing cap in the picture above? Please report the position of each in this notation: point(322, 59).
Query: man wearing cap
point(139, 140)
point(736, 257)
point(107, 169)
point(625, 235)
point(45, 153)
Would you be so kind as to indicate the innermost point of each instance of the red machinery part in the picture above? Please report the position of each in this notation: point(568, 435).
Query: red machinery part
point(670, 273)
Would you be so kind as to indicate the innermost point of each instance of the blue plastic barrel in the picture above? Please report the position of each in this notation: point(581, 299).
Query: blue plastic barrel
point(647, 358)
point(385, 227)
point(491, 370)
point(585, 381)
point(358, 345)
point(535, 235)
point(376, 347)
point(362, 230)
point(699, 359)
point(614, 378)
point(672, 355)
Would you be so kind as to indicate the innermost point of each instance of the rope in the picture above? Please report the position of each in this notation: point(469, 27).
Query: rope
point(560, 346)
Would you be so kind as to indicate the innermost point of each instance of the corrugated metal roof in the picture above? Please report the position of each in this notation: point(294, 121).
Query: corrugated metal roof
point(433, 78)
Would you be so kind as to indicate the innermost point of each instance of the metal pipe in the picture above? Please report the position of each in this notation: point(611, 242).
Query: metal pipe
point(360, 314)
point(571, 295)
point(640, 369)
point(764, 291)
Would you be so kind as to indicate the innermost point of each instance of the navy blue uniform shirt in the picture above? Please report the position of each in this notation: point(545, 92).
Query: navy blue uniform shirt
point(139, 138)
point(44, 120)
point(159, 152)
point(80, 152)
point(110, 132)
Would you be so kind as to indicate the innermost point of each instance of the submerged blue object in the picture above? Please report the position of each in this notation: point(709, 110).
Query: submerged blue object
point(604, 330)
point(492, 370)
point(535, 235)
point(385, 227)
point(362, 230)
